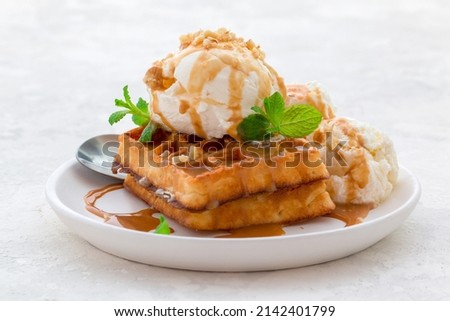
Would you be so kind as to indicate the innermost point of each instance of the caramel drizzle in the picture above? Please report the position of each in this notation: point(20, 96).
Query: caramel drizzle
point(319, 103)
point(142, 220)
point(280, 82)
point(184, 107)
point(351, 214)
point(173, 62)
point(262, 230)
point(94, 195)
point(236, 85)
point(157, 111)
point(355, 176)
point(197, 80)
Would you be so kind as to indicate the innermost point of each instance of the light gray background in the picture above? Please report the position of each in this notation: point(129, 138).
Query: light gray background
point(63, 62)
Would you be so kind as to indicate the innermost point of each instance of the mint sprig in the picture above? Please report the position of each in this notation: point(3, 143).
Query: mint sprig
point(163, 227)
point(254, 127)
point(139, 112)
point(293, 121)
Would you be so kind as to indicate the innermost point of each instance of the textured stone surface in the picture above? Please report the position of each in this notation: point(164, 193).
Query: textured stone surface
point(63, 62)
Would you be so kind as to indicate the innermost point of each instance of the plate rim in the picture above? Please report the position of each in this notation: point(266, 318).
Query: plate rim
point(54, 200)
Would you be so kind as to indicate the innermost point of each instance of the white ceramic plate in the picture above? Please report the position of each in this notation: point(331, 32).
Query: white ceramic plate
point(319, 240)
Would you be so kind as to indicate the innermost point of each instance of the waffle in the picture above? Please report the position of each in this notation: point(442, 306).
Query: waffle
point(198, 174)
point(282, 206)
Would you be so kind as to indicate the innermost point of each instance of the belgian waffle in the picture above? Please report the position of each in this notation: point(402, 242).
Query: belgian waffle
point(203, 174)
point(221, 184)
point(282, 206)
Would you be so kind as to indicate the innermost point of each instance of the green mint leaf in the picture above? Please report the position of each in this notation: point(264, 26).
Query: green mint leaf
point(299, 121)
point(121, 103)
point(142, 105)
point(253, 127)
point(294, 121)
point(141, 120)
point(147, 133)
point(272, 130)
point(258, 110)
point(140, 114)
point(163, 227)
point(274, 106)
point(127, 97)
point(117, 116)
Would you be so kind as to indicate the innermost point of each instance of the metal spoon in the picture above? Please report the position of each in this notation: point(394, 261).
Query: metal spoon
point(97, 154)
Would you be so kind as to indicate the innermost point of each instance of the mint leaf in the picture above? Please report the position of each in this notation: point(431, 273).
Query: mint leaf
point(299, 121)
point(274, 106)
point(253, 127)
point(258, 110)
point(142, 105)
point(294, 121)
point(121, 103)
point(140, 114)
point(147, 133)
point(117, 116)
point(139, 120)
point(163, 227)
point(127, 97)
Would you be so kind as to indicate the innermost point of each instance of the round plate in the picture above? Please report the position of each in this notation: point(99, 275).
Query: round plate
point(315, 241)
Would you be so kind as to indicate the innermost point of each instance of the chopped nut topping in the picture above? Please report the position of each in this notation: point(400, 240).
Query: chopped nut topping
point(195, 152)
point(176, 160)
point(144, 182)
point(221, 38)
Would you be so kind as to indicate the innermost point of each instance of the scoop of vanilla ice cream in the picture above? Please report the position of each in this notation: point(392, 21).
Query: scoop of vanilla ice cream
point(210, 84)
point(360, 159)
point(311, 93)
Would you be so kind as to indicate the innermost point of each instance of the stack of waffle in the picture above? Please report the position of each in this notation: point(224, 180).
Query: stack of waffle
point(220, 184)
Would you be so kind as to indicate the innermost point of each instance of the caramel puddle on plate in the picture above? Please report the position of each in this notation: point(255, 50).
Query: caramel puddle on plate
point(351, 214)
point(142, 220)
point(262, 230)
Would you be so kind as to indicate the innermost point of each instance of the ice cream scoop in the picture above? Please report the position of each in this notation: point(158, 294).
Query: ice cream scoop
point(311, 93)
point(360, 159)
point(210, 84)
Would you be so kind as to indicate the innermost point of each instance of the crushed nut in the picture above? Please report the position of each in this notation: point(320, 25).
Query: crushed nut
point(180, 159)
point(195, 152)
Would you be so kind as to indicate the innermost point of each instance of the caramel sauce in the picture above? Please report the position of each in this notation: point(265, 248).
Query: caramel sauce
point(354, 171)
point(197, 122)
point(319, 136)
point(263, 230)
point(139, 221)
point(351, 214)
point(184, 107)
point(197, 80)
point(280, 81)
point(319, 103)
point(142, 220)
point(236, 85)
point(92, 196)
point(157, 111)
